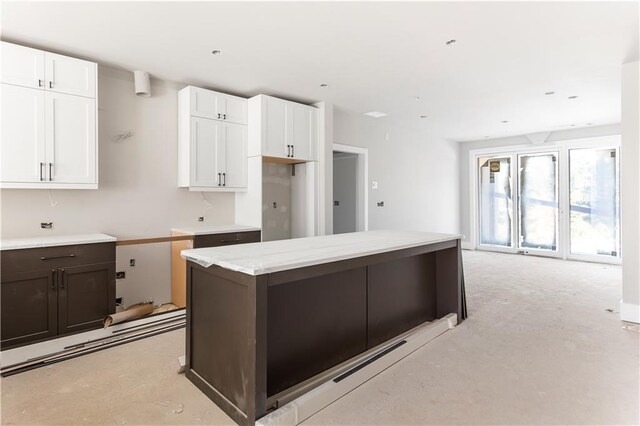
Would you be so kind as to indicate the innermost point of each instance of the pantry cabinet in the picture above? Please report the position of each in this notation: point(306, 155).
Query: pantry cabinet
point(212, 152)
point(49, 120)
point(282, 129)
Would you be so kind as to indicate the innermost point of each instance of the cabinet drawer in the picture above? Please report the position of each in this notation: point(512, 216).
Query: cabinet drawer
point(24, 260)
point(230, 238)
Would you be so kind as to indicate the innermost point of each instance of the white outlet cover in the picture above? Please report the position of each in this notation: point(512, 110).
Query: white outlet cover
point(374, 185)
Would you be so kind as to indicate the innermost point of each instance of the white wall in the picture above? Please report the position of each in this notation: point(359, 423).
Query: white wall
point(137, 196)
point(417, 173)
point(630, 192)
point(345, 192)
point(465, 147)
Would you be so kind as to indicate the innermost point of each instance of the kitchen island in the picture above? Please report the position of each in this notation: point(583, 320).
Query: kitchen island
point(264, 319)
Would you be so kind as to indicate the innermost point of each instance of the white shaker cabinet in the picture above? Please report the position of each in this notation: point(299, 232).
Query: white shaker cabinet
point(212, 152)
point(49, 120)
point(282, 129)
point(216, 106)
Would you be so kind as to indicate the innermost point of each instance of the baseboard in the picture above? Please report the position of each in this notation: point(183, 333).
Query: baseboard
point(468, 245)
point(629, 312)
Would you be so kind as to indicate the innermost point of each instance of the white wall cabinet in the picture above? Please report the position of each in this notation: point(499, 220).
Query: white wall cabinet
point(282, 129)
point(212, 152)
point(217, 106)
point(49, 120)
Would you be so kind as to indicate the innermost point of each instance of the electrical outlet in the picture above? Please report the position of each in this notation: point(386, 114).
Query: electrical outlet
point(201, 219)
point(120, 275)
point(119, 300)
point(374, 185)
point(46, 225)
point(132, 262)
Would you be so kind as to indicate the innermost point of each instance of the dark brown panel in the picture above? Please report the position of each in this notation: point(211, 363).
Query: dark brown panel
point(29, 307)
point(215, 240)
point(449, 273)
point(86, 295)
point(313, 325)
point(401, 295)
point(218, 316)
point(56, 257)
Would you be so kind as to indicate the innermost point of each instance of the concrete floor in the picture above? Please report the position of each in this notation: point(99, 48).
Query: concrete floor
point(539, 347)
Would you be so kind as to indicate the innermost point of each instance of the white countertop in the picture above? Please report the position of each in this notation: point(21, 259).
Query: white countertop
point(274, 256)
point(52, 241)
point(214, 229)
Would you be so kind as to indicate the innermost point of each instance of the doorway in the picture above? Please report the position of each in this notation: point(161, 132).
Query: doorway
point(350, 197)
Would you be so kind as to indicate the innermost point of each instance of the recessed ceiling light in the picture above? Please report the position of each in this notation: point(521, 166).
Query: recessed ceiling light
point(550, 93)
point(376, 114)
point(505, 121)
point(217, 52)
point(450, 42)
point(324, 84)
point(572, 97)
point(423, 116)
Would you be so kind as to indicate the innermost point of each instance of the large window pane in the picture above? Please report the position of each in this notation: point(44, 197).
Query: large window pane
point(538, 201)
point(495, 201)
point(593, 193)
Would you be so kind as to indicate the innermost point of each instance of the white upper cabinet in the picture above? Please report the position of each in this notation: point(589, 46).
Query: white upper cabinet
point(282, 129)
point(70, 75)
point(217, 106)
point(23, 145)
point(71, 138)
point(22, 66)
point(212, 151)
point(49, 120)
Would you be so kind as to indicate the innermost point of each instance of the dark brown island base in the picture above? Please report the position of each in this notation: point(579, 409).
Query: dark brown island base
point(265, 318)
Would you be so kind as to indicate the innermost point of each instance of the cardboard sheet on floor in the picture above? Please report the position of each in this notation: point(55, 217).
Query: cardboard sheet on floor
point(134, 312)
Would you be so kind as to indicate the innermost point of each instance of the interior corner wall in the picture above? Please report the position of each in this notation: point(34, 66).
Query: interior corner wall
point(138, 194)
point(417, 173)
point(466, 147)
point(630, 193)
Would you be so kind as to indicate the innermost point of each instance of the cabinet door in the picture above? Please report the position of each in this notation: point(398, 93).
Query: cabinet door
point(70, 138)
point(235, 159)
point(302, 117)
point(29, 307)
point(22, 66)
point(232, 108)
point(70, 75)
point(203, 103)
point(86, 295)
point(22, 148)
point(204, 168)
point(275, 131)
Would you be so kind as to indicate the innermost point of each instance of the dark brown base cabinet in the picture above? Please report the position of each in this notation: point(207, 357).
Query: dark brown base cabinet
point(47, 292)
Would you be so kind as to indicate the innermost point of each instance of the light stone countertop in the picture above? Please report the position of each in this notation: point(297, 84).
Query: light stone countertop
point(52, 241)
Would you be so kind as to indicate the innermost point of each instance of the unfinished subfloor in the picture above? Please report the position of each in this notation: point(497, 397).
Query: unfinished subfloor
point(540, 346)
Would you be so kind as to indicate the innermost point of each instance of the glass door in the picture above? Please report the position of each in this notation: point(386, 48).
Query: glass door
point(594, 202)
point(538, 202)
point(495, 202)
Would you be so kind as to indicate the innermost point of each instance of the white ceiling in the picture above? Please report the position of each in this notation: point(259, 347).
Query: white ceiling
point(375, 56)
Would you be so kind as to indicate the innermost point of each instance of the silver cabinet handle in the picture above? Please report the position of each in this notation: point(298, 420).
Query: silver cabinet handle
point(41, 176)
point(50, 172)
point(57, 257)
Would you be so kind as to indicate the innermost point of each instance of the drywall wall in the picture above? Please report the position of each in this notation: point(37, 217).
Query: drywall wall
point(465, 147)
point(345, 192)
point(137, 196)
point(276, 201)
point(630, 192)
point(417, 172)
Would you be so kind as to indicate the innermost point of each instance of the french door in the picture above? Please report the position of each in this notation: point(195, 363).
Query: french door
point(559, 202)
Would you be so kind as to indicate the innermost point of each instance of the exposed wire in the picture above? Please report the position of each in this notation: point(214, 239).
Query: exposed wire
point(51, 200)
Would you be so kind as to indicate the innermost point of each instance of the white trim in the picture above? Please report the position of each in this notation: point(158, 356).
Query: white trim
point(467, 245)
point(514, 151)
point(629, 312)
point(363, 173)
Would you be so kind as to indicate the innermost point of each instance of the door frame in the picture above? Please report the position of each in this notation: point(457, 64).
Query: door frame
point(563, 148)
point(362, 209)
